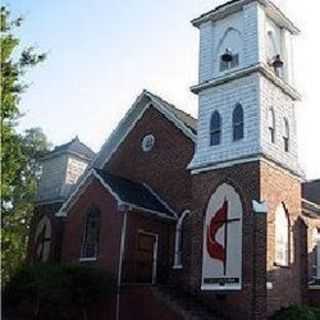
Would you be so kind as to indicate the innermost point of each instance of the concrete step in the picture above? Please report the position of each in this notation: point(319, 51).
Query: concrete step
point(185, 305)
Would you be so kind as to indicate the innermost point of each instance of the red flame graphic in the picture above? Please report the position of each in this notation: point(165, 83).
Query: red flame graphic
point(214, 248)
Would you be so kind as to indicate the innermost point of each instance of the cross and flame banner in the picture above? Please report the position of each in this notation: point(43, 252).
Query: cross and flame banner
point(222, 241)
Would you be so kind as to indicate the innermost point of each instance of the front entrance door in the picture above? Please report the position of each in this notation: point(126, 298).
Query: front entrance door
point(146, 260)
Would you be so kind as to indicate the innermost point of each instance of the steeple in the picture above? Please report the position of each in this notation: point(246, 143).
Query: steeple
point(246, 86)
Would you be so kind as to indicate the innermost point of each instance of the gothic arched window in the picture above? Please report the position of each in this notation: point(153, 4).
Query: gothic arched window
point(286, 135)
point(238, 123)
point(272, 125)
point(282, 236)
point(42, 240)
point(90, 242)
point(215, 129)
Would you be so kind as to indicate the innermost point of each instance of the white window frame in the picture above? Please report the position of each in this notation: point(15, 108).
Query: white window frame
point(282, 245)
point(272, 125)
point(177, 264)
point(286, 135)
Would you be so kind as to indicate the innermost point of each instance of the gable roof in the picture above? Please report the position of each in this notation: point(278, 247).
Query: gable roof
point(183, 121)
point(186, 118)
point(126, 192)
point(311, 191)
point(75, 146)
point(137, 194)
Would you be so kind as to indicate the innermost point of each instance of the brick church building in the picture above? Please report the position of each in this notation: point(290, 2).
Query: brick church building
point(214, 211)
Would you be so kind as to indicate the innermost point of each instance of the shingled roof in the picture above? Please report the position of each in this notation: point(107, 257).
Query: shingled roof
point(75, 146)
point(186, 118)
point(136, 194)
point(311, 191)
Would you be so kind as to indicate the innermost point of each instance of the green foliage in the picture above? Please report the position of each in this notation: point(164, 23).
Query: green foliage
point(297, 313)
point(57, 291)
point(20, 153)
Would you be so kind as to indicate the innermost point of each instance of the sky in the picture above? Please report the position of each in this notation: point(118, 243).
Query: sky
point(103, 53)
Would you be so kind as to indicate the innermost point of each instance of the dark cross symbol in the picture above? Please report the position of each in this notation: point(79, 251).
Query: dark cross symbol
point(41, 241)
point(215, 225)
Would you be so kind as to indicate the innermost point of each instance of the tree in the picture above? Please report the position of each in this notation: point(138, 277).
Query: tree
point(20, 153)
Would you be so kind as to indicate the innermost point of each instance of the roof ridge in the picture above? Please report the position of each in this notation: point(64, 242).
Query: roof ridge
point(169, 103)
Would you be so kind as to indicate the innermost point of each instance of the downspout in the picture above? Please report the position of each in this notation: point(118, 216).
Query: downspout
point(125, 210)
point(176, 265)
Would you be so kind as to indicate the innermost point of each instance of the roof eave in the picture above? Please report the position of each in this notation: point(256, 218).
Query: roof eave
point(234, 6)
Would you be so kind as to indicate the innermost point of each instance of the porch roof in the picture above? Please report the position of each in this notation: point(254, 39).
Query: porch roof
point(137, 195)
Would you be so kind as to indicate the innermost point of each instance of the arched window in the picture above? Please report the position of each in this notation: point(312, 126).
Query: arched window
point(231, 43)
point(42, 240)
point(215, 129)
point(237, 123)
point(272, 125)
point(286, 135)
point(91, 234)
point(282, 236)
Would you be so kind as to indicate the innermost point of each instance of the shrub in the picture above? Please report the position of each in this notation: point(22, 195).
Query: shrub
point(57, 291)
point(297, 313)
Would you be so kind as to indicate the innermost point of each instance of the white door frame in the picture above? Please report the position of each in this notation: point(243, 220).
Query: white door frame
point(155, 253)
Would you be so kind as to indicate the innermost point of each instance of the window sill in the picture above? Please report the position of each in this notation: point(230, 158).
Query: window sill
point(282, 266)
point(314, 287)
point(88, 259)
point(177, 267)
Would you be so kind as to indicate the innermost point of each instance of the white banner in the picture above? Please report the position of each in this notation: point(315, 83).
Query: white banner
point(222, 241)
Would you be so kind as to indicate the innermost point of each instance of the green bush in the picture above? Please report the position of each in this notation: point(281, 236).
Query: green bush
point(46, 291)
point(297, 313)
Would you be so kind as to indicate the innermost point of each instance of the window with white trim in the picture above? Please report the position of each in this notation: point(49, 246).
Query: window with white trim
point(272, 125)
point(215, 129)
point(90, 242)
point(282, 236)
point(238, 122)
point(286, 135)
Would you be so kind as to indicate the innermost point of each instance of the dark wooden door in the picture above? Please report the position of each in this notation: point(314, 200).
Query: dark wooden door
point(145, 258)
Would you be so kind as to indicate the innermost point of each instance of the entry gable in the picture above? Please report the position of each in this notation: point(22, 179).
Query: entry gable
point(125, 192)
point(184, 122)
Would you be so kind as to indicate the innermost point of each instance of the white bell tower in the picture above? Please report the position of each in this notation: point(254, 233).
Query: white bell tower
point(246, 87)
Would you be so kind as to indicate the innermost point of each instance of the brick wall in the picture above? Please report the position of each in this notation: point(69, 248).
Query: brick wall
point(246, 180)
point(277, 187)
point(110, 227)
point(164, 167)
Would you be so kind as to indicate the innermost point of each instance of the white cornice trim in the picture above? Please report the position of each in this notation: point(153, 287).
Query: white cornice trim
point(273, 11)
point(63, 211)
point(68, 204)
point(261, 68)
point(223, 164)
point(159, 214)
point(311, 208)
point(48, 202)
point(117, 137)
point(242, 160)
